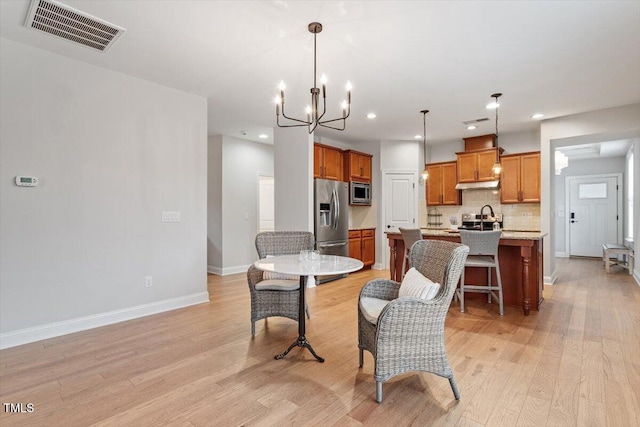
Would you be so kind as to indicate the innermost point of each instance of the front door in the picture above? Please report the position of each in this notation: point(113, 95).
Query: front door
point(593, 214)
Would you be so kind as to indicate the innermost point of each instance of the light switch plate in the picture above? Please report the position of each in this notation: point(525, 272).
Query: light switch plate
point(170, 216)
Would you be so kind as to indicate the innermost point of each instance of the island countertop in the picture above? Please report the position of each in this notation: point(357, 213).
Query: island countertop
point(520, 254)
point(506, 234)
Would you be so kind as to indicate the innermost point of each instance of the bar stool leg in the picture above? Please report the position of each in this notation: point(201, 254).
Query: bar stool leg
point(462, 291)
point(500, 300)
point(489, 284)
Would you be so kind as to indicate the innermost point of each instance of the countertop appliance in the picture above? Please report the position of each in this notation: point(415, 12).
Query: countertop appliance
point(360, 193)
point(331, 205)
point(480, 222)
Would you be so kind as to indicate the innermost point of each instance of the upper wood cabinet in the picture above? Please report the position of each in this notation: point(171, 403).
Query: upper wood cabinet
point(441, 184)
point(520, 180)
point(357, 166)
point(327, 162)
point(477, 165)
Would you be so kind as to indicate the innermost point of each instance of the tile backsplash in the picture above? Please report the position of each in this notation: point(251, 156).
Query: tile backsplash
point(521, 217)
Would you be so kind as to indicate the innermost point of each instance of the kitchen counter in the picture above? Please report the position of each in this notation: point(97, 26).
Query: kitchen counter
point(520, 254)
point(506, 234)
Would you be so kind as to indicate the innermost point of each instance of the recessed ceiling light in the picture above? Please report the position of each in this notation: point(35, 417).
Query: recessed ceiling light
point(472, 127)
point(263, 136)
point(418, 137)
point(537, 116)
point(371, 116)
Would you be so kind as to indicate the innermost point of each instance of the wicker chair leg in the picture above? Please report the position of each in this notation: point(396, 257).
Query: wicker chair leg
point(361, 357)
point(379, 391)
point(253, 329)
point(454, 387)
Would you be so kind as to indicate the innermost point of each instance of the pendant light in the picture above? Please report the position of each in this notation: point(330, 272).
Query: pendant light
point(425, 172)
point(497, 167)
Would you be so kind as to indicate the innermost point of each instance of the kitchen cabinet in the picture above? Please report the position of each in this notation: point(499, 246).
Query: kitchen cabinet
point(327, 162)
point(357, 166)
point(477, 165)
point(520, 180)
point(441, 184)
point(362, 245)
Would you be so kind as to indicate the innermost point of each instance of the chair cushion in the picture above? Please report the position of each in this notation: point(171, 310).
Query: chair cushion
point(371, 308)
point(268, 275)
point(415, 284)
point(277, 285)
point(480, 261)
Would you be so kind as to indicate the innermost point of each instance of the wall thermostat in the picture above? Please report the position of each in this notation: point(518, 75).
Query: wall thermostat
point(26, 181)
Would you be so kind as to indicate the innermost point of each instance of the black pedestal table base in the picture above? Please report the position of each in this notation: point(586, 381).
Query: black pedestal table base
point(302, 340)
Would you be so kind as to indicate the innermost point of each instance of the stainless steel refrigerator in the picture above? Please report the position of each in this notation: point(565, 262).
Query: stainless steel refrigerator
point(331, 207)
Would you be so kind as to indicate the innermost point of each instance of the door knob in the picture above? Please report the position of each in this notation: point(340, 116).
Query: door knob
point(572, 221)
point(388, 226)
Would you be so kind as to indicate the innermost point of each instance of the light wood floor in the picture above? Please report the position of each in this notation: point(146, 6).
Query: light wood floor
point(576, 362)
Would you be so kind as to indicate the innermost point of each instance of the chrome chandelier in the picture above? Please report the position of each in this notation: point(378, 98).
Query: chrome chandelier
point(315, 118)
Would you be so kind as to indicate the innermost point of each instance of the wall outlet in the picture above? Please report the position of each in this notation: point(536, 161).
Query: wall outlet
point(148, 281)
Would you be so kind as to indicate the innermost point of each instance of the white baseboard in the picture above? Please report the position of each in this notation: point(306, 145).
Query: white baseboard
point(228, 270)
point(56, 329)
point(636, 275)
point(550, 280)
point(562, 255)
point(377, 266)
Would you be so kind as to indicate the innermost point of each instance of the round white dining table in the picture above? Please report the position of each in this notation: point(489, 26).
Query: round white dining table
point(292, 264)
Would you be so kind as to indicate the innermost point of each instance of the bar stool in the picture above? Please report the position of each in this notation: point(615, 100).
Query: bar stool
point(409, 236)
point(483, 252)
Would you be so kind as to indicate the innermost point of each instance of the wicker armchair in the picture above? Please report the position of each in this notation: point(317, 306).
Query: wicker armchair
point(409, 334)
point(276, 302)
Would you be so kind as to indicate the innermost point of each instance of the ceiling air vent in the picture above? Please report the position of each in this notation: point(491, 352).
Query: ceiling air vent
point(471, 122)
point(71, 24)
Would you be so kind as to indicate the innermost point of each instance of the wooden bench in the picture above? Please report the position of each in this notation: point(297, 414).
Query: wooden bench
point(609, 249)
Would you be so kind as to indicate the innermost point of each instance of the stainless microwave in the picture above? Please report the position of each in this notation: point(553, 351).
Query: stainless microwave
point(360, 193)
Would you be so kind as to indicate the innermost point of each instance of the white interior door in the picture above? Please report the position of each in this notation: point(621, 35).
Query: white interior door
point(400, 203)
point(593, 214)
point(266, 209)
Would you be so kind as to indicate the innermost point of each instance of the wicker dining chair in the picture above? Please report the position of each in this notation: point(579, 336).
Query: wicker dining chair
point(277, 296)
point(409, 333)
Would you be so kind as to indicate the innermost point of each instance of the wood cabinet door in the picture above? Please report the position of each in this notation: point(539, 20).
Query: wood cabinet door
point(366, 168)
point(486, 160)
point(450, 196)
point(368, 250)
point(467, 165)
point(355, 248)
point(530, 178)
point(317, 161)
point(434, 185)
point(354, 165)
point(510, 179)
point(332, 163)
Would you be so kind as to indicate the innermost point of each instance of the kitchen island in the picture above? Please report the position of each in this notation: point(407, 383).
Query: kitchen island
point(520, 254)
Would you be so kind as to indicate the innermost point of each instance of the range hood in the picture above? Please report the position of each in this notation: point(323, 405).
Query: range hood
point(490, 185)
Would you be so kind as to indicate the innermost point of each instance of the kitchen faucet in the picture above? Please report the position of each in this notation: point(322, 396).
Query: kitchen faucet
point(482, 216)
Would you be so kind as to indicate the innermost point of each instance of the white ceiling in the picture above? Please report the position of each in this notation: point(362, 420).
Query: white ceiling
point(554, 57)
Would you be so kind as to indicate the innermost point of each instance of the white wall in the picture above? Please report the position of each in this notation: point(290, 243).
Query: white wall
point(214, 204)
point(111, 153)
point(233, 199)
point(293, 162)
point(602, 125)
point(580, 168)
